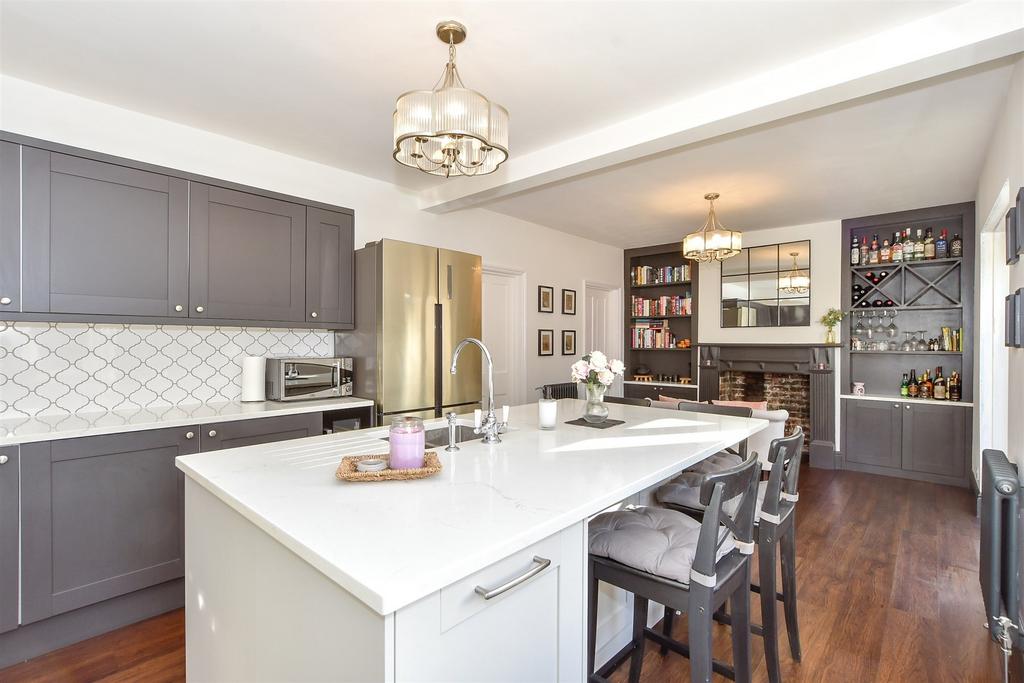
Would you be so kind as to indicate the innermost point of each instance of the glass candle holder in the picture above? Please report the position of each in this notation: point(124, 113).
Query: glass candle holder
point(407, 442)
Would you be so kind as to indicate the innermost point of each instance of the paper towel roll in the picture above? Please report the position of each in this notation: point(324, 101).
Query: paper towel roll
point(254, 373)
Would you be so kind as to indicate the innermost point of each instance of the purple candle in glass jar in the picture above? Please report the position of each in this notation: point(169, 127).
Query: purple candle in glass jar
point(407, 443)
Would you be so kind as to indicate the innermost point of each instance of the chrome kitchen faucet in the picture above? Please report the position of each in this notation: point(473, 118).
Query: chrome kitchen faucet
point(490, 427)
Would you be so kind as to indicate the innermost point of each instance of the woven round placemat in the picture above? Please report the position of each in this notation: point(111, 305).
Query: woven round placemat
point(347, 469)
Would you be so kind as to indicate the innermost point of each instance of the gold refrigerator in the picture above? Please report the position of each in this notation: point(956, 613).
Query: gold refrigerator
point(413, 305)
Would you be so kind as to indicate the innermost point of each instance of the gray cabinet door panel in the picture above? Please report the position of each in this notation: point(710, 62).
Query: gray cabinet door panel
point(247, 256)
point(102, 516)
point(10, 227)
point(935, 439)
point(330, 271)
point(9, 539)
point(873, 432)
point(106, 239)
point(223, 435)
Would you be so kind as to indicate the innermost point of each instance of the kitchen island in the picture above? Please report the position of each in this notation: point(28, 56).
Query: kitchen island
point(294, 575)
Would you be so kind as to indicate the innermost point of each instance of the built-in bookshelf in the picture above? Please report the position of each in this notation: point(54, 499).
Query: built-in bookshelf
point(660, 318)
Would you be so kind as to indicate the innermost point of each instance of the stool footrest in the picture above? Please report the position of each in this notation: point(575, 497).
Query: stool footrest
point(757, 589)
point(683, 649)
point(723, 618)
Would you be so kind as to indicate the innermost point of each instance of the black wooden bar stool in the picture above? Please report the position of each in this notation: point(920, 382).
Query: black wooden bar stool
point(694, 567)
point(774, 529)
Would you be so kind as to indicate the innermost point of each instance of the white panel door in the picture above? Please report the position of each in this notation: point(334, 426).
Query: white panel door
point(597, 320)
point(503, 334)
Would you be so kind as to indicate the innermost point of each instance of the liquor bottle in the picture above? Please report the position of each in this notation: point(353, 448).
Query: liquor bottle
point(908, 246)
point(885, 253)
point(942, 245)
point(939, 385)
point(953, 386)
point(864, 304)
point(905, 386)
point(855, 253)
point(882, 275)
point(913, 389)
point(897, 248)
point(889, 303)
point(929, 244)
point(877, 303)
point(919, 246)
point(956, 247)
point(874, 255)
point(863, 251)
point(925, 386)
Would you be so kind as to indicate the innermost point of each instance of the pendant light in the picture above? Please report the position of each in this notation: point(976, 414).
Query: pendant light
point(450, 130)
point(796, 281)
point(713, 242)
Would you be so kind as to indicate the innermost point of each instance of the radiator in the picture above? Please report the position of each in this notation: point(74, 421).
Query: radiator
point(563, 390)
point(1000, 537)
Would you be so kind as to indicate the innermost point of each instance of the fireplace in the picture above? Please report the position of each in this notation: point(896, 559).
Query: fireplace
point(797, 377)
point(788, 391)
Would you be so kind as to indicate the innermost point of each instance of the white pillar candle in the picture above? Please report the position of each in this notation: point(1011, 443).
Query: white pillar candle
point(547, 413)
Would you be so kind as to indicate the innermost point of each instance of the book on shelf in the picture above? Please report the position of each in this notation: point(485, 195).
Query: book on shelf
point(664, 275)
point(652, 334)
point(664, 305)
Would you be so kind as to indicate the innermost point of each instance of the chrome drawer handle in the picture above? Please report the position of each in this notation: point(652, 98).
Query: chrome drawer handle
point(542, 564)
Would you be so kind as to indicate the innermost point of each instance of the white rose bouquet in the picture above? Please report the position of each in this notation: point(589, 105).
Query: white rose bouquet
point(596, 368)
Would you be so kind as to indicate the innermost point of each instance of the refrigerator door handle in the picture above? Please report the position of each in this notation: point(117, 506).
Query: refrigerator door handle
point(449, 282)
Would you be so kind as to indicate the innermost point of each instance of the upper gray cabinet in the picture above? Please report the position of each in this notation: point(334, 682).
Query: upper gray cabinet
point(330, 241)
point(247, 256)
point(9, 495)
point(10, 227)
point(99, 238)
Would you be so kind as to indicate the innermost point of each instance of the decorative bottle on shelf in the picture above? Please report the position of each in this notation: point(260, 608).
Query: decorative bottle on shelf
point(864, 251)
point(919, 246)
point(942, 245)
point(855, 252)
point(956, 246)
point(939, 385)
point(929, 244)
point(897, 248)
point(953, 386)
point(905, 386)
point(908, 246)
point(913, 389)
point(874, 255)
point(926, 386)
point(885, 254)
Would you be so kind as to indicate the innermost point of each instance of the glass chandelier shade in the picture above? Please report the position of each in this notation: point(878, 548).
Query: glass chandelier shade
point(796, 281)
point(713, 242)
point(450, 130)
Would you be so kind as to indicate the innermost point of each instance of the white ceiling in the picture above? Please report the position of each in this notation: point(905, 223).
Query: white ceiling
point(318, 79)
point(916, 146)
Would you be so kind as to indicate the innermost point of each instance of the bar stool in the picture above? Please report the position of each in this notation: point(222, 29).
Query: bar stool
point(774, 530)
point(694, 567)
point(643, 402)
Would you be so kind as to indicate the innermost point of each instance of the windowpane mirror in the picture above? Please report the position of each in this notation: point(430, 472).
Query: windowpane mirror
point(768, 286)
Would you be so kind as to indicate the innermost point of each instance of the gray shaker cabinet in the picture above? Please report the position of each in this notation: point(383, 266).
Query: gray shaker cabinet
point(872, 431)
point(8, 538)
point(330, 269)
point(102, 516)
point(239, 433)
point(247, 256)
point(99, 238)
point(934, 439)
point(10, 227)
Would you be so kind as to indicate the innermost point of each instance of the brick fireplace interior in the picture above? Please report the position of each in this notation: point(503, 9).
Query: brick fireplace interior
point(790, 391)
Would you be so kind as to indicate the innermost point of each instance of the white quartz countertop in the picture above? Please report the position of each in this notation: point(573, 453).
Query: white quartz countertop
point(392, 543)
point(17, 430)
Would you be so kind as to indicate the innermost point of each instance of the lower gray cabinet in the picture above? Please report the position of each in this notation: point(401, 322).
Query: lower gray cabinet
point(934, 439)
point(101, 516)
point(654, 391)
point(8, 538)
point(223, 435)
point(872, 431)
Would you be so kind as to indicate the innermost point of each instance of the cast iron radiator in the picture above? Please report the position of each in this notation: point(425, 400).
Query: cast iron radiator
point(563, 390)
point(1000, 552)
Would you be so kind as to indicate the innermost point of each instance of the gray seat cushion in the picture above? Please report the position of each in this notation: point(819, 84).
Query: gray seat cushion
point(655, 540)
point(684, 491)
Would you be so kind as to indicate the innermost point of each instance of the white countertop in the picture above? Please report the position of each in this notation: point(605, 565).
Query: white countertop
point(392, 543)
point(17, 430)
point(906, 399)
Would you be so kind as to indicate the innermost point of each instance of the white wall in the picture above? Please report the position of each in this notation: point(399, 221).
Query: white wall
point(382, 210)
point(1004, 162)
point(826, 262)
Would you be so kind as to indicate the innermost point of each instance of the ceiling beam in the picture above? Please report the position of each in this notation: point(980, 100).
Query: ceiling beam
point(957, 38)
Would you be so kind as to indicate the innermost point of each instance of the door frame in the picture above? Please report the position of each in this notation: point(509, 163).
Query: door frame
point(615, 325)
point(517, 278)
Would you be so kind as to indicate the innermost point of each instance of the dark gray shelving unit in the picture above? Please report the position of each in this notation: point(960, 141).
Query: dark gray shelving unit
point(882, 433)
point(661, 362)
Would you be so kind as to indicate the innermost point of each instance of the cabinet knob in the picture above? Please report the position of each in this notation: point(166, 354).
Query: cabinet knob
point(895, 405)
point(908, 407)
point(179, 308)
point(3, 459)
point(5, 300)
point(190, 435)
point(213, 433)
point(199, 309)
point(313, 314)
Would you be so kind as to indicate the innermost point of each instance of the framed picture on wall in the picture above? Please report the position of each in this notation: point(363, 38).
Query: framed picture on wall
point(1018, 318)
point(1020, 220)
point(545, 299)
point(1012, 246)
point(568, 342)
point(569, 301)
point(545, 342)
point(1011, 316)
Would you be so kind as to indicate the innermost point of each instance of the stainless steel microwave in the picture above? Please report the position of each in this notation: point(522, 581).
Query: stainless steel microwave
point(298, 379)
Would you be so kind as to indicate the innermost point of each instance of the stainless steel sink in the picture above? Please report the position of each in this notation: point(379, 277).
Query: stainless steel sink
point(438, 438)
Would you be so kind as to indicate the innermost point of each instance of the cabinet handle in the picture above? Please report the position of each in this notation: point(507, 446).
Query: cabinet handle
point(199, 309)
point(908, 407)
point(313, 314)
point(5, 300)
point(3, 459)
point(190, 435)
point(213, 433)
point(179, 308)
point(542, 564)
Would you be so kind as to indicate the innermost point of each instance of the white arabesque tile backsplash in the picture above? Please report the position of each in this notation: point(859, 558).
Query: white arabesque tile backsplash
point(65, 368)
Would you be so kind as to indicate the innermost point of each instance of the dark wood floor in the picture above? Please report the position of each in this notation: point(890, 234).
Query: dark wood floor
point(888, 589)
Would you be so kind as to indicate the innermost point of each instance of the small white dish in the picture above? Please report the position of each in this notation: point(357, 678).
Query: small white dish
point(374, 465)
